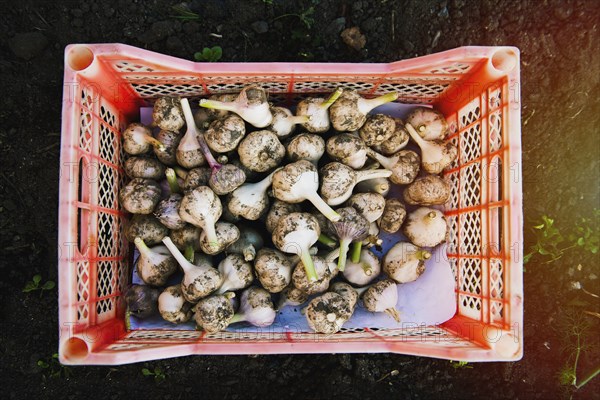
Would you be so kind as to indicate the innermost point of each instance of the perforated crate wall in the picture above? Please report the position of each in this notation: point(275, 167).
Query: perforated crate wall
point(475, 87)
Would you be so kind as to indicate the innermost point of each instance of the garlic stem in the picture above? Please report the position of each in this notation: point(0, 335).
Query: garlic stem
point(211, 233)
point(142, 247)
point(238, 317)
point(181, 259)
point(416, 137)
point(326, 240)
point(367, 268)
point(372, 174)
point(309, 265)
point(366, 105)
point(334, 96)
point(323, 207)
point(155, 142)
point(356, 249)
point(344, 246)
point(172, 180)
point(219, 105)
point(392, 312)
point(180, 172)
point(423, 255)
point(191, 124)
point(189, 253)
point(332, 255)
point(299, 119)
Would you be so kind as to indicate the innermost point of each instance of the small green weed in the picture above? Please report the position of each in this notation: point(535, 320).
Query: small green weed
point(36, 284)
point(212, 54)
point(183, 13)
point(460, 364)
point(157, 373)
point(52, 368)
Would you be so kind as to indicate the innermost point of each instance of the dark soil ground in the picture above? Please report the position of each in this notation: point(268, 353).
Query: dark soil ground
point(561, 153)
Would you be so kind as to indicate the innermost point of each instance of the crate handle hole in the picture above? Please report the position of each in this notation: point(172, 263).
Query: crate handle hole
point(504, 60)
point(79, 58)
point(75, 349)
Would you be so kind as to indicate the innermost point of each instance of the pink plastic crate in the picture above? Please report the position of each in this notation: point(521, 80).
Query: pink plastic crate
point(477, 89)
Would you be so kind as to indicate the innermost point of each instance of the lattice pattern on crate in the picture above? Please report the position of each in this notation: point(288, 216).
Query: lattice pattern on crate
point(109, 145)
point(145, 334)
point(496, 279)
point(454, 180)
point(132, 78)
point(469, 306)
point(85, 130)
point(470, 233)
point(224, 86)
point(107, 230)
point(470, 189)
point(150, 90)
point(107, 186)
point(470, 275)
point(131, 66)
point(413, 92)
point(469, 113)
point(454, 68)
point(495, 98)
point(83, 294)
point(456, 163)
point(301, 86)
point(454, 267)
point(495, 130)
point(105, 285)
point(470, 144)
point(452, 246)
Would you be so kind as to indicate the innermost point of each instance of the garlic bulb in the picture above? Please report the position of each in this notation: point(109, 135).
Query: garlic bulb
point(137, 139)
point(213, 314)
point(202, 208)
point(435, 154)
point(167, 114)
point(224, 135)
point(144, 167)
point(250, 104)
point(249, 242)
point(290, 296)
point(198, 280)
point(429, 123)
point(364, 271)
point(261, 151)
point(327, 313)
point(377, 129)
point(250, 200)
point(404, 165)
point(226, 234)
point(338, 181)
point(382, 297)
point(189, 235)
point(349, 149)
point(325, 271)
point(147, 227)
point(393, 216)
point(256, 308)
point(369, 205)
point(405, 262)
point(236, 272)
point(306, 146)
point(284, 122)
point(350, 110)
point(317, 109)
point(167, 212)
point(172, 305)
point(427, 190)
point(155, 265)
point(140, 196)
point(279, 209)
point(426, 227)
point(273, 269)
point(346, 291)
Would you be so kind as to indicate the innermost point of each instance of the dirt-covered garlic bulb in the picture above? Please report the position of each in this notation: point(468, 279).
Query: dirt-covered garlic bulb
point(261, 151)
point(325, 271)
point(279, 209)
point(196, 177)
point(426, 227)
point(350, 110)
point(306, 146)
point(201, 207)
point(349, 149)
point(377, 129)
point(226, 179)
point(299, 181)
point(170, 141)
point(224, 135)
point(338, 181)
point(377, 185)
point(155, 265)
point(167, 212)
point(147, 227)
point(142, 301)
point(346, 291)
point(396, 142)
point(369, 205)
point(250, 200)
point(290, 296)
point(167, 114)
point(405, 262)
point(199, 280)
point(436, 155)
point(173, 307)
point(140, 196)
point(317, 109)
point(327, 313)
point(430, 124)
point(382, 296)
point(144, 167)
point(427, 190)
point(226, 233)
point(213, 314)
point(138, 139)
point(404, 165)
point(273, 269)
point(189, 235)
point(393, 216)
